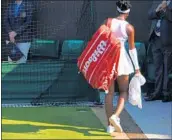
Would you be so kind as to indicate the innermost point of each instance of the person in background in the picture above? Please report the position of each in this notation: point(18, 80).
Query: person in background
point(161, 40)
point(122, 31)
point(17, 21)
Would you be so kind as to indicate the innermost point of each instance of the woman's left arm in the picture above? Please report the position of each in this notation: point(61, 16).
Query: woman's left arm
point(132, 49)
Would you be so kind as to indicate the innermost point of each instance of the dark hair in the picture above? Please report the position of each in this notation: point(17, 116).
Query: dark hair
point(123, 4)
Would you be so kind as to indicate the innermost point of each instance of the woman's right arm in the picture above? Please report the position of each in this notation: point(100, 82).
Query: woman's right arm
point(132, 49)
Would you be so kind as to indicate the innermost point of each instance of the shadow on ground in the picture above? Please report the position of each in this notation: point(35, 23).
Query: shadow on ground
point(51, 122)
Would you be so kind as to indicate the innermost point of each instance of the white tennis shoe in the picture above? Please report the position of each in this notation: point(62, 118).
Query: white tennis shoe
point(110, 129)
point(115, 122)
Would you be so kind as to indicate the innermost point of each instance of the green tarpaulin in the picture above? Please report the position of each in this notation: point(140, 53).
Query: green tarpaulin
point(53, 80)
point(72, 86)
point(30, 79)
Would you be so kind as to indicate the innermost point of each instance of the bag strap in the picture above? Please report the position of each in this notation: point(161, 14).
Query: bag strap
point(109, 22)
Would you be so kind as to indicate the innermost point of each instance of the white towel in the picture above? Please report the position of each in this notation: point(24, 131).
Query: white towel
point(135, 97)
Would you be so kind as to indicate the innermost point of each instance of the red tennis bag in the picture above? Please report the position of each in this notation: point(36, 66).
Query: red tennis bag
point(99, 60)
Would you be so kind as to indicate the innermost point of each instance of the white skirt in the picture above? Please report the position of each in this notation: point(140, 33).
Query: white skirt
point(125, 66)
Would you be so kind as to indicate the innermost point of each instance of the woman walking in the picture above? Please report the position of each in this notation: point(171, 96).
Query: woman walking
point(123, 31)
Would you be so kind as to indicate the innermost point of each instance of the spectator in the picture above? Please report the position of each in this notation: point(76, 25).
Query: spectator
point(17, 21)
point(161, 40)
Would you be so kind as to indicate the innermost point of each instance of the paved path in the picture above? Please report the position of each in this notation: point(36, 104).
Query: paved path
point(132, 131)
point(153, 121)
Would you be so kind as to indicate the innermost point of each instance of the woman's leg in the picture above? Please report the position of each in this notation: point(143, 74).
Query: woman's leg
point(123, 83)
point(109, 102)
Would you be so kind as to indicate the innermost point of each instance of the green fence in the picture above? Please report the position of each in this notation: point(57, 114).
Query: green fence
point(49, 76)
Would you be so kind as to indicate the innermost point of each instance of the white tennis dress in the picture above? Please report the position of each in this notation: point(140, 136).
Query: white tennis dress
point(125, 66)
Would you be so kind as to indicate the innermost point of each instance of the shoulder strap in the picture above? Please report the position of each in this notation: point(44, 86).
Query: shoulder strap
point(109, 22)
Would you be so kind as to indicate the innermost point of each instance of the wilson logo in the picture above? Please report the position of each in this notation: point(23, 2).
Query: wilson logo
point(95, 55)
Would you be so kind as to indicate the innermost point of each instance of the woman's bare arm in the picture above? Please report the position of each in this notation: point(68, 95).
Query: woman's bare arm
point(131, 36)
point(132, 49)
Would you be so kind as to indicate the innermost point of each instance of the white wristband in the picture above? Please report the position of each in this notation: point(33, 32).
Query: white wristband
point(133, 55)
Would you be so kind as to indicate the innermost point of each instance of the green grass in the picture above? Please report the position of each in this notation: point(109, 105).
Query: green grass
point(51, 123)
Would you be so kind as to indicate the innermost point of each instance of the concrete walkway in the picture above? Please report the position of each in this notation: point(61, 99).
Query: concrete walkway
point(153, 121)
point(131, 130)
